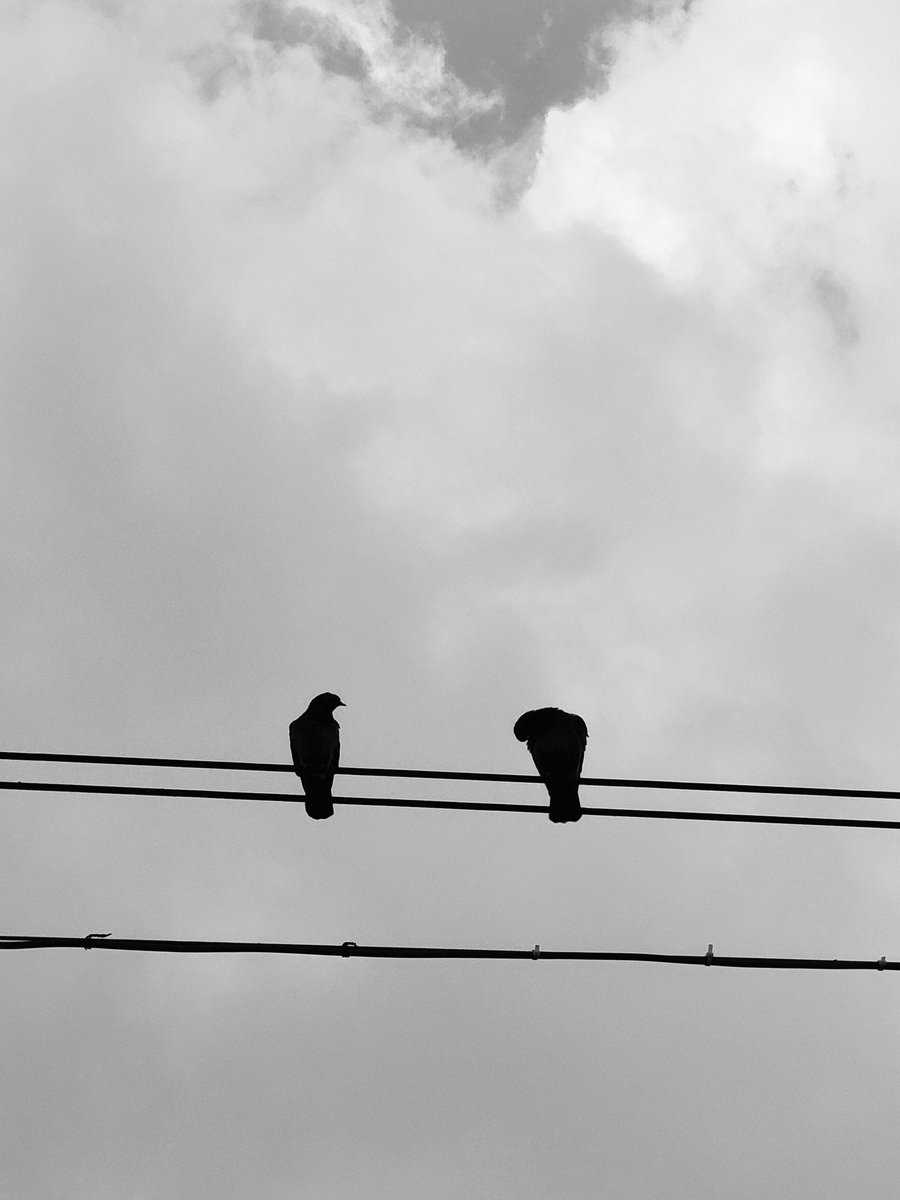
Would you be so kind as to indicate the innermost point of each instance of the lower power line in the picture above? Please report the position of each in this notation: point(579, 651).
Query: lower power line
point(659, 814)
point(104, 941)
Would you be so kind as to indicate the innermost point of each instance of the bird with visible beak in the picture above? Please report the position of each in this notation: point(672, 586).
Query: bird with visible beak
point(316, 752)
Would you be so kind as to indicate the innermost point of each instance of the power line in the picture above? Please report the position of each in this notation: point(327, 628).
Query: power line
point(103, 941)
point(486, 777)
point(464, 805)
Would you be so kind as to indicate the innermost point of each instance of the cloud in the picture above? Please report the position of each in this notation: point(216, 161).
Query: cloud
point(731, 150)
point(611, 414)
point(402, 71)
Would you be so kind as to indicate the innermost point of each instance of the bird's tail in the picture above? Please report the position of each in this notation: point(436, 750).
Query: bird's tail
point(318, 796)
point(564, 802)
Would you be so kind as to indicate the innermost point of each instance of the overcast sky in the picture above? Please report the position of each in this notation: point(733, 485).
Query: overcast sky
point(458, 357)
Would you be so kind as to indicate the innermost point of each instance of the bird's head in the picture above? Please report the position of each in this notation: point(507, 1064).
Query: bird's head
point(326, 702)
point(538, 721)
point(524, 728)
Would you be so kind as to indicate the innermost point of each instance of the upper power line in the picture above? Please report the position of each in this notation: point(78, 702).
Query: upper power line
point(486, 777)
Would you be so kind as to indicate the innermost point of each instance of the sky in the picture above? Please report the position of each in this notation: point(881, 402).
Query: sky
point(460, 359)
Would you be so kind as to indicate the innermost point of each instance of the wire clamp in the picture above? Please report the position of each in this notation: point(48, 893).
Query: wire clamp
point(709, 954)
point(880, 964)
point(536, 952)
point(87, 940)
point(347, 949)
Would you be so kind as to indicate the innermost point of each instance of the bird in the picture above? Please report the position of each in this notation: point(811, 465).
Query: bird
point(556, 741)
point(316, 751)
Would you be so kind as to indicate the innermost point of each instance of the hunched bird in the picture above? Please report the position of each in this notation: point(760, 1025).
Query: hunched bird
point(556, 741)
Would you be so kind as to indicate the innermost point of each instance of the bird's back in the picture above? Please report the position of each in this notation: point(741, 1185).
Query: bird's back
point(316, 750)
point(556, 741)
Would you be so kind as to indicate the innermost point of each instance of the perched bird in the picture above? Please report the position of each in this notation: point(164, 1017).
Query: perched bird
point(316, 751)
point(556, 741)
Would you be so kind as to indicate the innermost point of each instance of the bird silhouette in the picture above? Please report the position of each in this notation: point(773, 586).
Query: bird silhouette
point(316, 751)
point(556, 741)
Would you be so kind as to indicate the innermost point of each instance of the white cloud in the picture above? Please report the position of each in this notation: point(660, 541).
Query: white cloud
point(401, 69)
point(647, 360)
point(728, 141)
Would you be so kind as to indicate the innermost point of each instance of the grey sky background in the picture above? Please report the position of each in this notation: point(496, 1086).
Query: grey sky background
point(459, 359)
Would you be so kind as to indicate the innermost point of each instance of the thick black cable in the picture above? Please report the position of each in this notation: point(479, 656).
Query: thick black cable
point(682, 785)
point(464, 805)
point(103, 941)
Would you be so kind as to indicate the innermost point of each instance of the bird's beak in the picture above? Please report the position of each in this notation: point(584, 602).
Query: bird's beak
point(340, 704)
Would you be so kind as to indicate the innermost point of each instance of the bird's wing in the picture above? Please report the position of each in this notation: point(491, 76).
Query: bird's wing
point(315, 745)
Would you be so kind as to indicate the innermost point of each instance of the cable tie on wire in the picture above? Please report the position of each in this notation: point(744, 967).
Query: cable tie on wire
point(880, 964)
point(347, 949)
point(536, 952)
point(709, 954)
point(87, 940)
